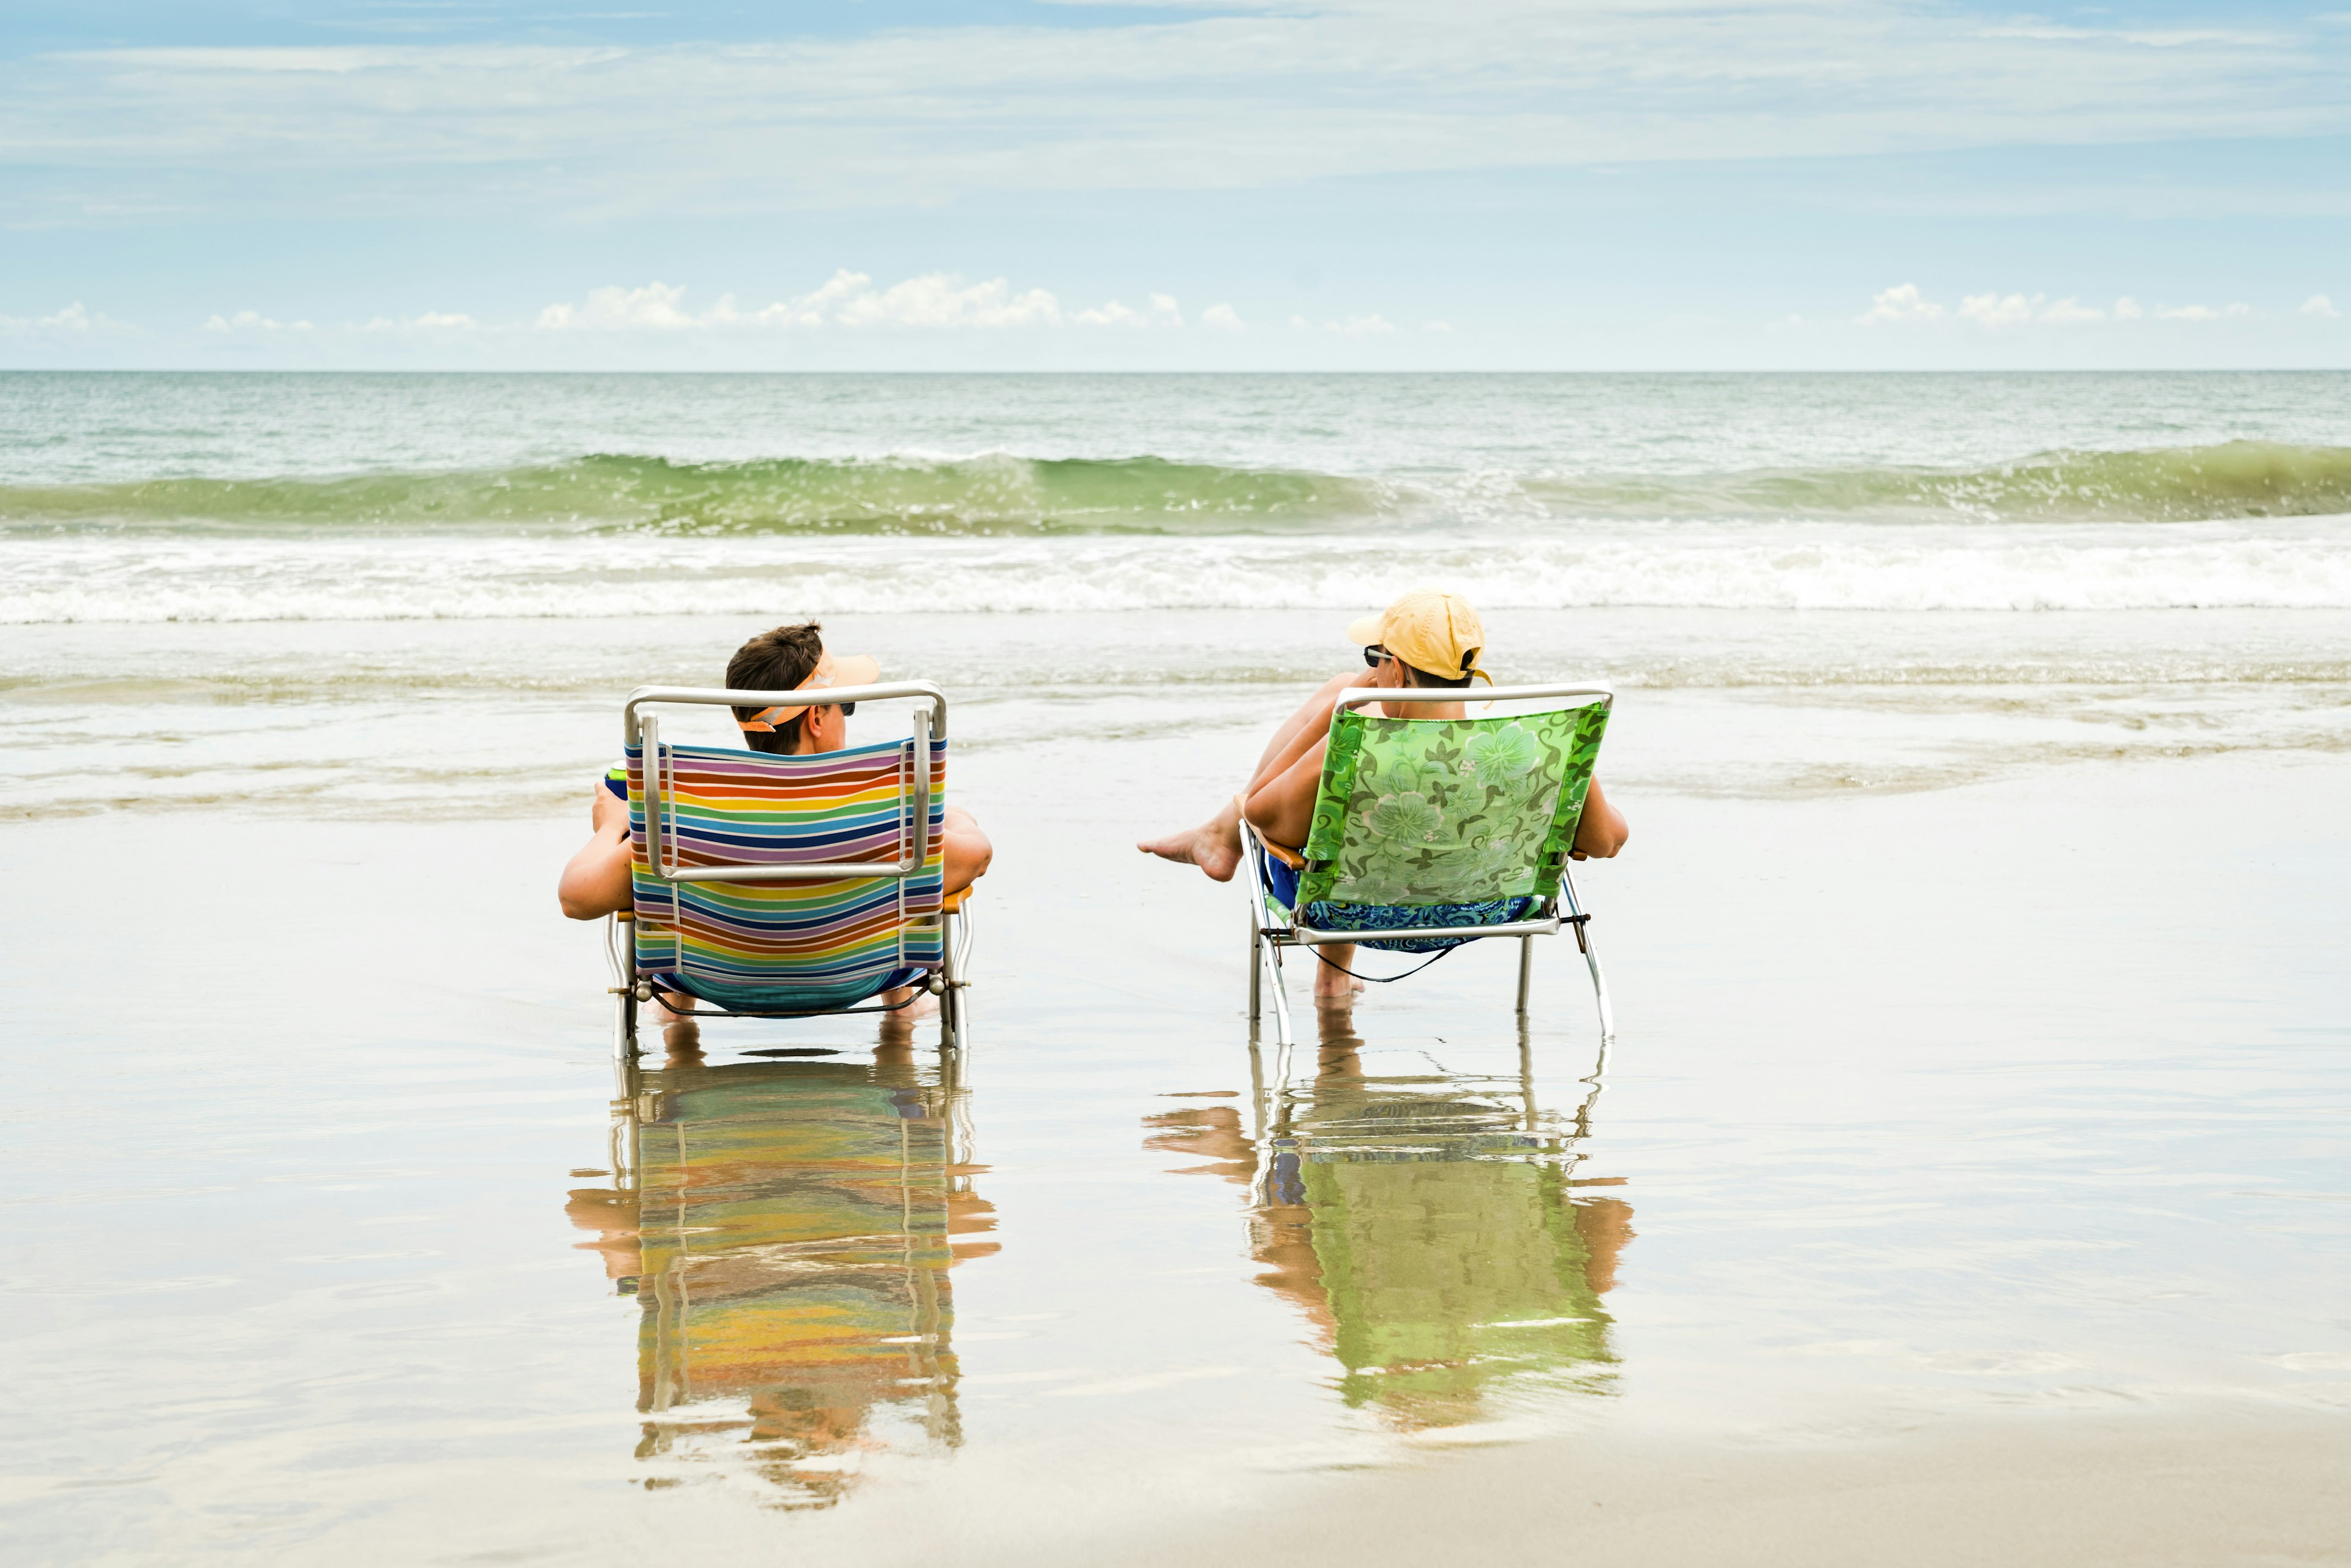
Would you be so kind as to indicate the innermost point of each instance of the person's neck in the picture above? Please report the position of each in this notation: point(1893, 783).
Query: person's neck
point(1445, 710)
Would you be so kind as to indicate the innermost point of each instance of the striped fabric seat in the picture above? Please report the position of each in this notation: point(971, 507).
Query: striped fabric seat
point(787, 946)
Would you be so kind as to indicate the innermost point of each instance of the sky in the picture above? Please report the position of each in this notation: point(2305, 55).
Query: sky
point(1352, 184)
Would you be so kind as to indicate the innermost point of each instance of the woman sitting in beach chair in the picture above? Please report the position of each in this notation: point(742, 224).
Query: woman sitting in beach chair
point(612, 871)
point(1422, 640)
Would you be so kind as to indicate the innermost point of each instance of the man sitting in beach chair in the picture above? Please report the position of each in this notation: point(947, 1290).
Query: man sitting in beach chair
point(602, 877)
point(1422, 640)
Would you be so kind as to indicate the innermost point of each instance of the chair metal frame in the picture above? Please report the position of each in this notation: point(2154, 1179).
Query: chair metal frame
point(930, 721)
point(1275, 1104)
point(1268, 936)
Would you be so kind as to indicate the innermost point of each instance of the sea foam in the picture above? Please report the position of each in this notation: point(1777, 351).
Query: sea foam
point(1759, 564)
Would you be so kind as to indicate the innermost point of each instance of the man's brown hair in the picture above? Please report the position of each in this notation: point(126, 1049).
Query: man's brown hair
point(1415, 676)
point(775, 661)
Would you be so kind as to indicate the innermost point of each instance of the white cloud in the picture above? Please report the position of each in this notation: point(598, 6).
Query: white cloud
point(941, 300)
point(1994, 310)
point(1437, 325)
point(1160, 311)
point(1999, 312)
point(2320, 306)
point(76, 320)
point(654, 308)
point(935, 300)
point(1899, 303)
point(431, 323)
point(254, 322)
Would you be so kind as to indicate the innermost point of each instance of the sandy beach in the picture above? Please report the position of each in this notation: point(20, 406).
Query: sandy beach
point(1964, 1185)
point(1898, 450)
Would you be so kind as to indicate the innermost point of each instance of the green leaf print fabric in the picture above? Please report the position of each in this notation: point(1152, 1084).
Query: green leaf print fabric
point(1448, 811)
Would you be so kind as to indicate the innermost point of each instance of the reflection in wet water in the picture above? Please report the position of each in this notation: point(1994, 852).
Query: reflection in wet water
point(1427, 1224)
point(788, 1228)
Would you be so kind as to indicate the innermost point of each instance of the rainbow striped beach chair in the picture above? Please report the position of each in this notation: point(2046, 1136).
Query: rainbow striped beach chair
point(776, 886)
point(1428, 833)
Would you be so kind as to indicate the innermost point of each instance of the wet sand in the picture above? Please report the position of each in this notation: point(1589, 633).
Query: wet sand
point(2227, 1485)
point(1966, 1186)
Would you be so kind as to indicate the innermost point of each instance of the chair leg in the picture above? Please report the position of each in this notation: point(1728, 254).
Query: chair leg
point(1526, 970)
point(955, 1024)
point(1257, 969)
point(1583, 929)
point(1280, 997)
point(1599, 988)
point(955, 1032)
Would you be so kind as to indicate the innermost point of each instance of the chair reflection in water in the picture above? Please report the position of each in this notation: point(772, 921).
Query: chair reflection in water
point(1428, 1225)
point(788, 1230)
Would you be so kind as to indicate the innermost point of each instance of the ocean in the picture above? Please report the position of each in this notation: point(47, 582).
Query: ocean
point(1974, 1120)
point(269, 497)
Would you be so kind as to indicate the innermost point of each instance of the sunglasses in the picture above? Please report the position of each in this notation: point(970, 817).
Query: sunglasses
point(1376, 655)
point(846, 708)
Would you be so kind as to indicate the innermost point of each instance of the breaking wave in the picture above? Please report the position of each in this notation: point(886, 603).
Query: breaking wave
point(1000, 495)
point(2172, 483)
point(989, 495)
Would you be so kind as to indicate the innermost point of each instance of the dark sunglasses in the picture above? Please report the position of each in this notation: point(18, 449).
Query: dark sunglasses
point(846, 708)
point(1376, 655)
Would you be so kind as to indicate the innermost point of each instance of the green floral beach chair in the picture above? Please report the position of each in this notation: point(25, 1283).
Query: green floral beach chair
point(1428, 833)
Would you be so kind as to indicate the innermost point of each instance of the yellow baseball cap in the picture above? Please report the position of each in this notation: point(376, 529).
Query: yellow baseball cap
point(1434, 631)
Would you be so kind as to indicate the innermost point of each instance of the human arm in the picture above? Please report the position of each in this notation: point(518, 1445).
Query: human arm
point(1602, 830)
point(596, 882)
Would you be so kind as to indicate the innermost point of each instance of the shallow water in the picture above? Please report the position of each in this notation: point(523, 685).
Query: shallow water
point(1932, 1101)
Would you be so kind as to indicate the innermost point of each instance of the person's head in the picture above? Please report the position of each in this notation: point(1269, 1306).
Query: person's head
point(1425, 639)
point(792, 658)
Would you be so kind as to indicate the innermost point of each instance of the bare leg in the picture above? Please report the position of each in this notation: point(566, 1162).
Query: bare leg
point(915, 1005)
point(965, 852)
point(1329, 984)
point(1282, 806)
point(1215, 846)
point(1304, 727)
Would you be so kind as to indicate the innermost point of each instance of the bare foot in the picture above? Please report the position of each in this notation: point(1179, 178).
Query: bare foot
point(1215, 846)
point(1333, 985)
point(906, 1002)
